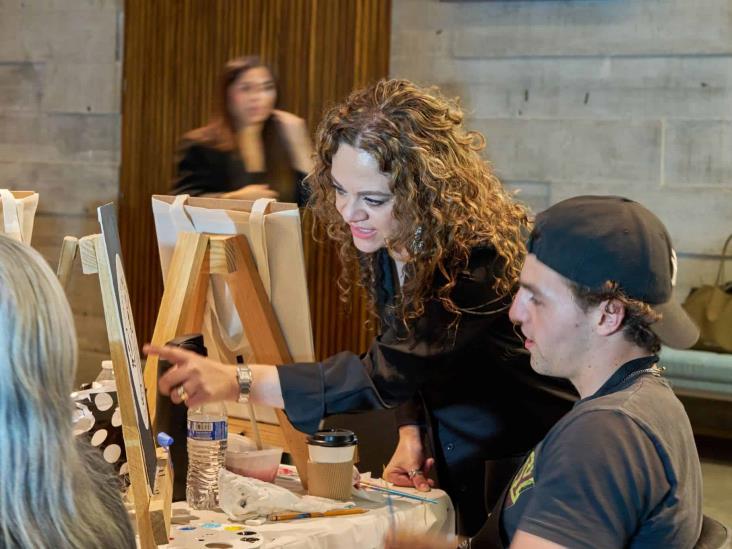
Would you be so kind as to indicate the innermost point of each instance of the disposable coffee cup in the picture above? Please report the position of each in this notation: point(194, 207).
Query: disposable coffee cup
point(332, 446)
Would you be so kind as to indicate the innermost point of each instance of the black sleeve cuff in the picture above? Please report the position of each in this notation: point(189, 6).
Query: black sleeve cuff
point(339, 384)
point(411, 413)
point(303, 391)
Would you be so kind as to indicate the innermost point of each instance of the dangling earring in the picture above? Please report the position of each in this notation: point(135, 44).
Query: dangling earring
point(417, 242)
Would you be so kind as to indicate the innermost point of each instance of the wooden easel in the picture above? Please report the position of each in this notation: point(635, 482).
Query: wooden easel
point(152, 506)
point(197, 256)
point(69, 249)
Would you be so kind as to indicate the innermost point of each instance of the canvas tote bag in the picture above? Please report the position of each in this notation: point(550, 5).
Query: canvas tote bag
point(17, 214)
point(274, 233)
point(710, 306)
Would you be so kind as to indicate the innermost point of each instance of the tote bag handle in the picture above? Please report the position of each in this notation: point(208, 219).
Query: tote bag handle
point(180, 217)
point(720, 271)
point(11, 217)
point(258, 238)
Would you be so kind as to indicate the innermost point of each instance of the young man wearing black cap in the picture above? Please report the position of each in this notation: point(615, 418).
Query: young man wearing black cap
point(621, 468)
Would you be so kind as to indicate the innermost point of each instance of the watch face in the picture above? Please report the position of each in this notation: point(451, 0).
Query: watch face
point(244, 374)
point(244, 377)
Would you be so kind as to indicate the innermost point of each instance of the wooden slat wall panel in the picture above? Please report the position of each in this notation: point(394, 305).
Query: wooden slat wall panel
point(174, 50)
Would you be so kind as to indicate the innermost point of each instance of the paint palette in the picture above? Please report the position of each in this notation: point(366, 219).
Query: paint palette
point(214, 535)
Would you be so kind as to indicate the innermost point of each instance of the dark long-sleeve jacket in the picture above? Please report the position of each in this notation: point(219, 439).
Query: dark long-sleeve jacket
point(481, 400)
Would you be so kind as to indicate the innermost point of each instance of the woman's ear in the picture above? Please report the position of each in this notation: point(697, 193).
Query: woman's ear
point(612, 314)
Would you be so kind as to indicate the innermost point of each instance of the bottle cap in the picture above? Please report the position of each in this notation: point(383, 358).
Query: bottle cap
point(165, 440)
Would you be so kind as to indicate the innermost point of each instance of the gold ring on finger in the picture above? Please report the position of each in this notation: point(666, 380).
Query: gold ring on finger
point(182, 393)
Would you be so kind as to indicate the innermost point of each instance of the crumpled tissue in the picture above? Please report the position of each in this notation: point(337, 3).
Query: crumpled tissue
point(243, 498)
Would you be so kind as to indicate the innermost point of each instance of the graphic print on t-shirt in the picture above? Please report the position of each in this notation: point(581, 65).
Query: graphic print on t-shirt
point(523, 480)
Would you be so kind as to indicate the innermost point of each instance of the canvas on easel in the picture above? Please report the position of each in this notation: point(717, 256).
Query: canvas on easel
point(274, 240)
point(149, 468)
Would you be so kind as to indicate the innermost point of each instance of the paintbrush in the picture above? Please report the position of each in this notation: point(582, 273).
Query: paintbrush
point(331, 513)
point(397, 492)
point(392, 522)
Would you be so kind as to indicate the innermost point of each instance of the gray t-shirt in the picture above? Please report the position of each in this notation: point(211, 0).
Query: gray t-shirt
point(620, 470)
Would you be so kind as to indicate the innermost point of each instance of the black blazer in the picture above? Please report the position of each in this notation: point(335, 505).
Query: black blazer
point(204, 169)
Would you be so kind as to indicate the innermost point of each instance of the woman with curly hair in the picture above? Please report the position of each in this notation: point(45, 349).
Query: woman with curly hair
point(400, 186)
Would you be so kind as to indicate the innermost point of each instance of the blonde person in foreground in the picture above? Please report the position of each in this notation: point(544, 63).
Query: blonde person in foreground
point(56, 491)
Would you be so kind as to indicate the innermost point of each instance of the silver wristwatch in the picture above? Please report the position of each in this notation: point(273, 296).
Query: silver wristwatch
point(244, 377)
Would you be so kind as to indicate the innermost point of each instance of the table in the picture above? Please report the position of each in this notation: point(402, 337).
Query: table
point(213, 529)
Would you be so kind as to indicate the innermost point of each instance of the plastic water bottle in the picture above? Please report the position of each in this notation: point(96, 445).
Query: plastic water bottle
point(106, 376)
point(207, 434)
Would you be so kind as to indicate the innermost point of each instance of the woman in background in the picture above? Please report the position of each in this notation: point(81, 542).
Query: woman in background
point(56, 491)
point(248, 150)
point(402, 190)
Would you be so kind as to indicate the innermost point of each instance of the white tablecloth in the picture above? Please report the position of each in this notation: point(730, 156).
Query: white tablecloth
point(363, 531)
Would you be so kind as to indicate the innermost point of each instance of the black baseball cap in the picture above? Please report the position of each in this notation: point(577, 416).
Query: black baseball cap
point(594, 239)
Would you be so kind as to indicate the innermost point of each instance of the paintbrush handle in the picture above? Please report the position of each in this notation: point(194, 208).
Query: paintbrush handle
point(332, 513)
point(339, 512)
point(398, 493)
point(292, 516)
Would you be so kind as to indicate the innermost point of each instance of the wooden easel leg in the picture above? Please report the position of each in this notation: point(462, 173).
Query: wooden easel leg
point(94, 259)
point(260, 325)
point(152, 510)
point(183, 302)
point(161, 500)
point(66, 258)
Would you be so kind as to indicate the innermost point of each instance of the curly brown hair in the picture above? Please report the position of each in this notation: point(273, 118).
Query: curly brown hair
point(443, 190)
point(638, 315)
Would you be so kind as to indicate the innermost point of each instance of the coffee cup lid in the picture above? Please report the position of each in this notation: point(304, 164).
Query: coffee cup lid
point(333, 438)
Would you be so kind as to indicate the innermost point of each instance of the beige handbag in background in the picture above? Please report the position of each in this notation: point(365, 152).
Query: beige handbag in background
point(17, 214)
point(710, 306)
point(274, 233)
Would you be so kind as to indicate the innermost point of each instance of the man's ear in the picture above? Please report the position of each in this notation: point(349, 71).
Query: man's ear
point(612, 314)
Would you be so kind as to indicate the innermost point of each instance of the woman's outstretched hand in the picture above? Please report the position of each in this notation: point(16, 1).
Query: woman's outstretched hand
point(194, 379)
point(407, 466)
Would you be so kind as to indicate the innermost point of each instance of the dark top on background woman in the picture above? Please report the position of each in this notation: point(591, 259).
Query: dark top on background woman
point(205, 169)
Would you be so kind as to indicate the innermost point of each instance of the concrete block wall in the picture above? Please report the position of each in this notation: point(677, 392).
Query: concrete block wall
point(593, 97)
point(60, 75)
